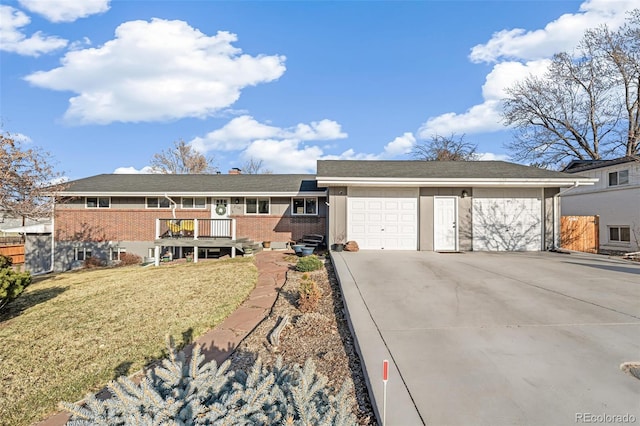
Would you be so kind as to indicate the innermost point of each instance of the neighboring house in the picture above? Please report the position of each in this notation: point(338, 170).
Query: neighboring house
point(615, 199)
point(154, 215)
point(443, 206)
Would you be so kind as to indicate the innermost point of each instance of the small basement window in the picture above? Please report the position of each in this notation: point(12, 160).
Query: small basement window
point(194, 202)
point(305, 206)
point(257, 206)
point(619, 178)
point(82, 254)
point(620, 234)
point(98, 202)
point(158, 203)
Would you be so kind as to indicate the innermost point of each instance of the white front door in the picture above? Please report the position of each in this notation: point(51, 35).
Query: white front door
point(383, 218)
point(220, 208)
point(445, 223)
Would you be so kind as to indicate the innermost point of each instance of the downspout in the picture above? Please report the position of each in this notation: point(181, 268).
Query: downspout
point(174, 205)
point(556, 219)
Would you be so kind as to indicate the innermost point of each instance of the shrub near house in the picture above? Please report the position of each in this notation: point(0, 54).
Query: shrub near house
point(12, 283)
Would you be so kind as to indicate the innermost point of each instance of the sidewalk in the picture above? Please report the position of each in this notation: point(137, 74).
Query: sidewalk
point(219, 343)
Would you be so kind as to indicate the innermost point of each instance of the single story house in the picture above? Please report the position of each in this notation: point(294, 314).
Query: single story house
point(156, 215)
point(444, 205)
point(382, 205)
point(615, 199)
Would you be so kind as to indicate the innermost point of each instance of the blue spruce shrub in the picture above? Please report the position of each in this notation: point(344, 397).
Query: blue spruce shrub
point(196, 393)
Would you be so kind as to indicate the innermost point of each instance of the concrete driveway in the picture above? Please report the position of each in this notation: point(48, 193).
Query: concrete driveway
point(496, 338)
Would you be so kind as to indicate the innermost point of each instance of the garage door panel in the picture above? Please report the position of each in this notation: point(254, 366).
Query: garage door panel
point(383, 219)
point(507, 224)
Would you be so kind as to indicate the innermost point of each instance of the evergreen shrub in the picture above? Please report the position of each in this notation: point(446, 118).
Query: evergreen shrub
point(181, 392)
point(12, 283)
point(309, 263)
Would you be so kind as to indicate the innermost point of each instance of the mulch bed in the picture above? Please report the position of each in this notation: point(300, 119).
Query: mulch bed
point(322, 335)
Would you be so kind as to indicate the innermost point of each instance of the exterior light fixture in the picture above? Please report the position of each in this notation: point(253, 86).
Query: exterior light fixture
point(465, 194)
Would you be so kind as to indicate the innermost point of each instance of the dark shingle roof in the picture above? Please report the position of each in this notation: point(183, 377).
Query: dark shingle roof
point(162, 183)
point(577, 166)
point(434, 170)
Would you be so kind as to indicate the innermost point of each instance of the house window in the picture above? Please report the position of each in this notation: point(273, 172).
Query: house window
point(194, 202)
point(116, 252)
point(302, 206)
point(82, 254)
point(619, 234)
point(257, 206)
point(98, 202)
point(158, 203)
point(619, 178)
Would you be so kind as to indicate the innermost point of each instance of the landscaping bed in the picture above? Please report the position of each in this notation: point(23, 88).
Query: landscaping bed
point(322, 335)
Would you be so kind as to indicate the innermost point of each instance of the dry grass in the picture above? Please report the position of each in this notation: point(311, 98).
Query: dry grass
point(70, 334)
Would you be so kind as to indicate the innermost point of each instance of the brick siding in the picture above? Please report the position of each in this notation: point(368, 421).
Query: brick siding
point(114, 225)
point(140, 225)
point(277, 228)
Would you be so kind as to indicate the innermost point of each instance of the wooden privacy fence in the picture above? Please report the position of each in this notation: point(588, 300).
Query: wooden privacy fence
point(15, 252)
point(580, 233)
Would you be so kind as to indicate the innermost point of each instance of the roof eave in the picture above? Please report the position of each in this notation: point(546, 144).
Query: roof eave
point(189, 194)
point(435, 182)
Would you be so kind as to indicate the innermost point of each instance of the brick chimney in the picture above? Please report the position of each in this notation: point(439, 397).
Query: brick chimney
point(235, 171)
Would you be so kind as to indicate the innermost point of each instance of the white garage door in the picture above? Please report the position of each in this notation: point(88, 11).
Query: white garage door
point(504, 222)
point(383, 218)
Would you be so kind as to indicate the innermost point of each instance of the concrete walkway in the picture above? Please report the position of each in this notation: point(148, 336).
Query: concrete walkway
point(219, 343)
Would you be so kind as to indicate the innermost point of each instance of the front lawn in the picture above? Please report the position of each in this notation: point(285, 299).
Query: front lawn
point(70, 334)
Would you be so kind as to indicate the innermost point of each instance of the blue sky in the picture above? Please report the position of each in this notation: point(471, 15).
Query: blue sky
point(103, 85)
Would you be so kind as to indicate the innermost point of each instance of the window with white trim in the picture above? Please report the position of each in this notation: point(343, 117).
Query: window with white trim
point(257, 205)
point(82, 254)
point(619, 234)
point(194, 202)
point(158, 203)
point(116, 252)
point(619, 178)
point(304, 206)
point(98, 202)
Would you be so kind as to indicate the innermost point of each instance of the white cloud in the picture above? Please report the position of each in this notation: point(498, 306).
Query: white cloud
point(490, 156)
point(284, 156)
point(241, 131)
point(559, 35)
point(14, 40)
point(155, 71)
point(477, 119)
point(400, 145)
point(290, 149)
point(518, 53)
point(133, 171)
point(65, 10)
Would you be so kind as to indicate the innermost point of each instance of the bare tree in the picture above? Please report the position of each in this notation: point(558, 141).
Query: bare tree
point(443, 148)
point(255, 167)
point(586, 106)
point(182, 159)
point(28, 182)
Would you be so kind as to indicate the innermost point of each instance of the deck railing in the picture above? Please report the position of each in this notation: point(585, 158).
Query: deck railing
point(195, 228)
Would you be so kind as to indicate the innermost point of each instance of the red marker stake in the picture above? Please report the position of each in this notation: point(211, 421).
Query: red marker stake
point(385, 377)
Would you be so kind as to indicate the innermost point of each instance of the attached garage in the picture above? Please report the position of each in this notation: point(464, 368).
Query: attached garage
point(507, 219)
point(383, 219)
point(443, 206)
